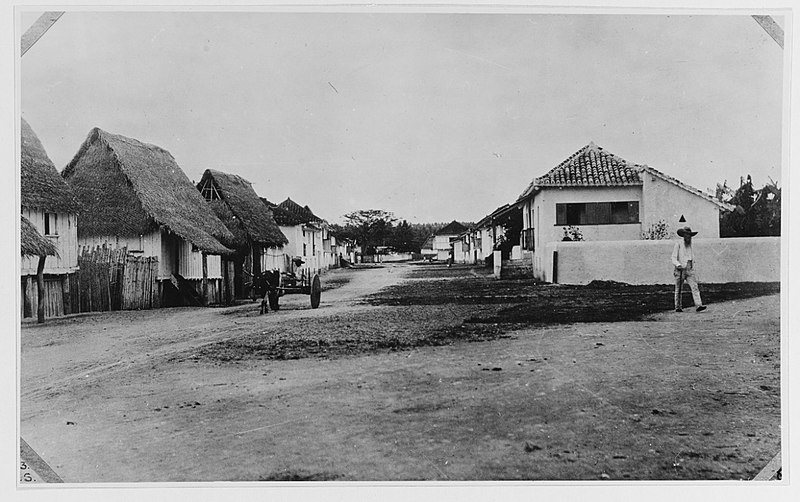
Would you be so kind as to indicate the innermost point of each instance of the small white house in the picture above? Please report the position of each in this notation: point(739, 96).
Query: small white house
point(607, 198)
point(443, 238)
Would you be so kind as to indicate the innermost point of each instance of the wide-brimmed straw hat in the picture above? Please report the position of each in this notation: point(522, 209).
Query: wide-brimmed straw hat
point(686, 231)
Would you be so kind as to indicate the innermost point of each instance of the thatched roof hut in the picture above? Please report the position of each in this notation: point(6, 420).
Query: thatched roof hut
point(32, 243)
point(41, 187)
point(128, 187)
point(238, 206)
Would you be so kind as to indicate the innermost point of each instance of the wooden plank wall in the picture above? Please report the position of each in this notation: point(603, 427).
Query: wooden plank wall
point(54, 296)
point(113, 279)
point(190, 263)
point(57, 297)
point(66, 241)
point(216, 290)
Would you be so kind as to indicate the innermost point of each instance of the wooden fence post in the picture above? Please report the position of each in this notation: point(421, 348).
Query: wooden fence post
point(555, 267)
point(40, 289)
point(65, 293)
point(205, 279)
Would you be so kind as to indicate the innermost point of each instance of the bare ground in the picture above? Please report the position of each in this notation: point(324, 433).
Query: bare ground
point(379, 384)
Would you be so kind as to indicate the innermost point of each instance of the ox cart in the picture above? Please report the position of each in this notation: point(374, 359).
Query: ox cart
point(273, 284)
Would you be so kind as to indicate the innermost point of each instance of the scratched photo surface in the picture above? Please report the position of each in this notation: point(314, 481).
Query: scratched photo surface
point(419, 246)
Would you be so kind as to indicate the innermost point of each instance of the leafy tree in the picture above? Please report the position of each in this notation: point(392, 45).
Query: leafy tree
point(368, 228)
point(403, 239)
point(756, 212)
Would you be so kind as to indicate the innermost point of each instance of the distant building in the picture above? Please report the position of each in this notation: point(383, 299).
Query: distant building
point(308, 235)
point(489, 232)
point(426, 250)
point(443, 238)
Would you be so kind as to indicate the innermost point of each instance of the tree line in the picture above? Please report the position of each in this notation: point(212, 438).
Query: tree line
point(376, 231)
point(756, 213)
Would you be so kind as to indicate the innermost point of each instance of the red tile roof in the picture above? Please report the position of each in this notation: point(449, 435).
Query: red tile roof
point(589, 166)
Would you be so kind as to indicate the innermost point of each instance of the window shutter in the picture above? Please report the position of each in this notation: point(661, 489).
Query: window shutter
point(633, 212)
point(598, 213)
point(561, 214)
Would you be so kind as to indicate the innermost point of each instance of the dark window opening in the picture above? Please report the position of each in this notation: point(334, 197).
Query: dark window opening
point(527, 239)
point(597, 213)
point(50, 224)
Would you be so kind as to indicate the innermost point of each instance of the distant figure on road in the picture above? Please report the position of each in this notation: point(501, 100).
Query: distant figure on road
point(683, 259)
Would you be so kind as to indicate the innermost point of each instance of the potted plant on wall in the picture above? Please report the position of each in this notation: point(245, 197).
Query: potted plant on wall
point(572, 233)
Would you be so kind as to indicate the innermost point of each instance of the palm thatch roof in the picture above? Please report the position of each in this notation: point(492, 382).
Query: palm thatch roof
point(128, 187)
point(242, 211)
point(32, 243)
point(41, 187)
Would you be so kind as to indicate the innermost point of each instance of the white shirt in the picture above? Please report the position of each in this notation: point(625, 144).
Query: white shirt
point(682, 254)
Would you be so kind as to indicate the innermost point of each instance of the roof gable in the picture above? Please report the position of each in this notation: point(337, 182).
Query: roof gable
point(246, 207)
point(41, 186)
point(688, 188)
point(593, 166)
point(452, 228)
point(303, 213)
point(590, 166)
point(159, 185)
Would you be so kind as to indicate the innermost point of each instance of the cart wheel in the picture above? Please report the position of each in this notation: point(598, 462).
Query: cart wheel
point(272, 297)
point(316, 291)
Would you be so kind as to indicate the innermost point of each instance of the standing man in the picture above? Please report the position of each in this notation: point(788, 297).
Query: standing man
point(683, 259)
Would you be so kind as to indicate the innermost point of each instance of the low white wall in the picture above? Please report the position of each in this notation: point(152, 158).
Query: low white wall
point(389, 258)
point(747, 259)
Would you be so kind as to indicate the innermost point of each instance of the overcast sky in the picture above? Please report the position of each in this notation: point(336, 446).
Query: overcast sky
point(432, 116)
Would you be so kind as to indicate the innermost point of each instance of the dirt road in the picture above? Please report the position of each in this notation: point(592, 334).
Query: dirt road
point(132, 396)
point(90, 345)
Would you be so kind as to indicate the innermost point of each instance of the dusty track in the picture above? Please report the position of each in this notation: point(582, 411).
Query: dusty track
point(672, 396)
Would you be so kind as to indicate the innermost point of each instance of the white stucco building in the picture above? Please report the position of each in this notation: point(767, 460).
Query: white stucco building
point(608, 199)
point(443, 239)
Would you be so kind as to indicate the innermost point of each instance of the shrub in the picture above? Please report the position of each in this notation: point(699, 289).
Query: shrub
point(572, 234)
point(657, 231)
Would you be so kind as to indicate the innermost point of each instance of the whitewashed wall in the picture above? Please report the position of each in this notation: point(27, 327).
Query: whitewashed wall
point(295, 245)
point(745, 259)
point(190, 263)
point(544, 213)
point(66, 241)
point(442, 243)
point(664, 200)
point(273, 259)
point(485, 247)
